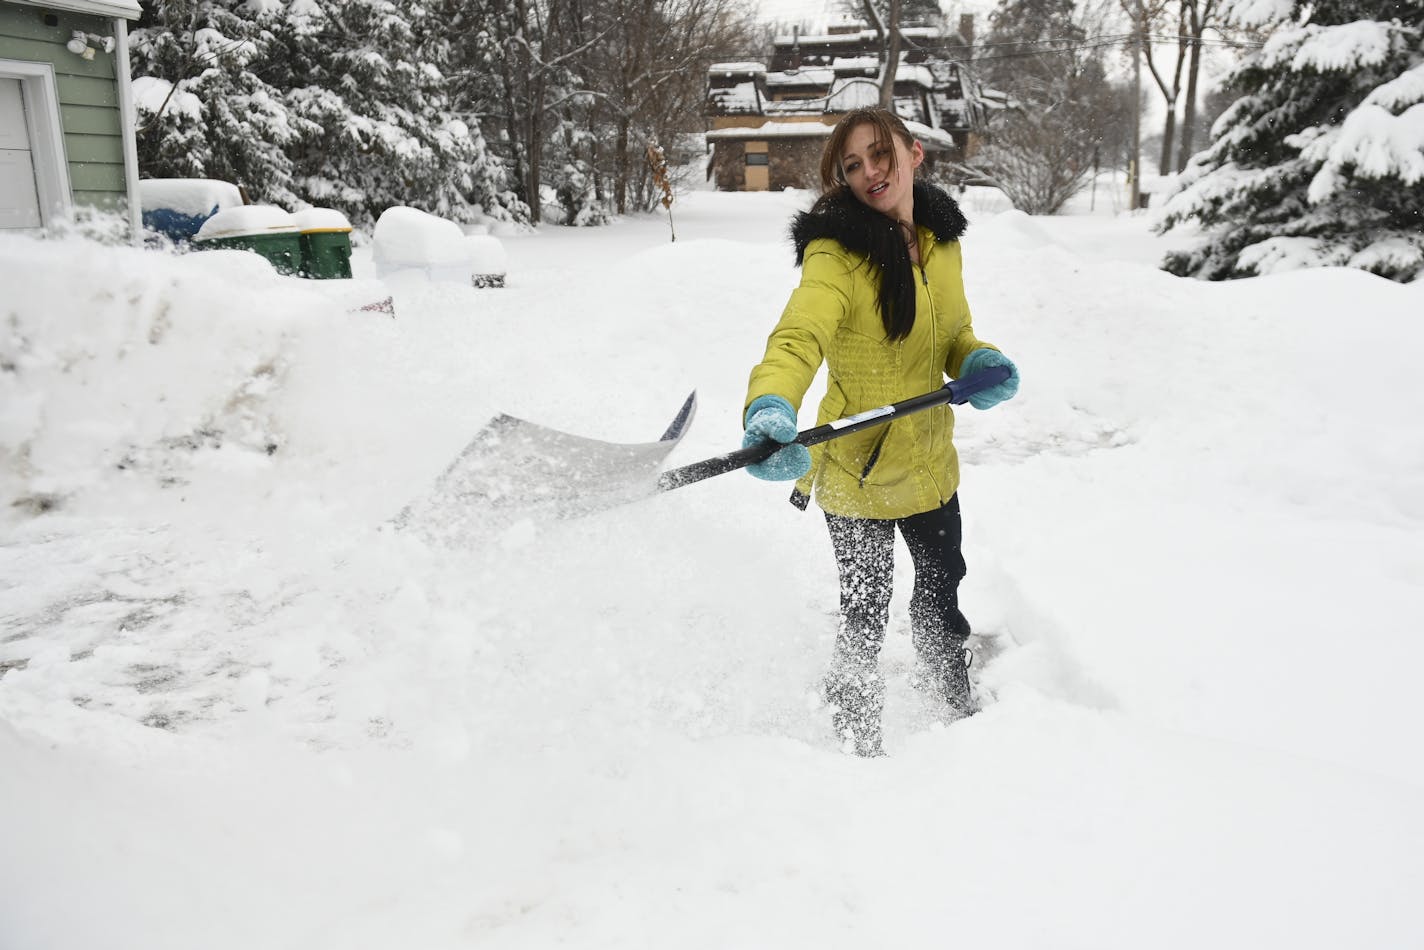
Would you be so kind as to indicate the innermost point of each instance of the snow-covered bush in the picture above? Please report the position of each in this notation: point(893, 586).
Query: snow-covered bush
point(1321, 160)
point(578, 199)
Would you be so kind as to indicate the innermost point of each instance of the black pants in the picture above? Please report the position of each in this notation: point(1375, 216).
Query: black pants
point(864, 551)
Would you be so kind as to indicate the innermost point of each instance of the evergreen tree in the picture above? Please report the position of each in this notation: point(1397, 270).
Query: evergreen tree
point(1321, 160)
point(482, 86)
point(214, 116)
point(366, 80)
point(343, 104)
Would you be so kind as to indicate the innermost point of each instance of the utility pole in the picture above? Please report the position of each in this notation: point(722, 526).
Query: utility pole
point(1134, 163)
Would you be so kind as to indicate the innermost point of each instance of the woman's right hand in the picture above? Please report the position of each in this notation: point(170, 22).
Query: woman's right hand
point(985, 358)
point(771, 418)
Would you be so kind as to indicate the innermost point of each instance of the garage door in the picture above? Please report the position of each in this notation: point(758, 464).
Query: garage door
point(19, 193)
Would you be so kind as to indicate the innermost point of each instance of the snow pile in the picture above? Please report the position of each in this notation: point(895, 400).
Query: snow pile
point(238, 708)
point(247, 220)
point(320, 219)
point(408, 236)
point(409, 242)
point(487, 255)
point(117, 359)
point(190, 196)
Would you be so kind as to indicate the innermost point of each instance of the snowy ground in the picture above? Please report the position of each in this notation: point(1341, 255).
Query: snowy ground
point(238, 710)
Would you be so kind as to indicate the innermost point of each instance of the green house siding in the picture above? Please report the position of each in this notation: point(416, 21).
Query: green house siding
point(88, 97)
point(91, 120)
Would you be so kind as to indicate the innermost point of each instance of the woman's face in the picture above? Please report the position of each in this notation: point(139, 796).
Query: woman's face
point(866, 165)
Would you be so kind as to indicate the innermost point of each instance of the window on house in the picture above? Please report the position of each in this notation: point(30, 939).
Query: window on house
point(758, 158)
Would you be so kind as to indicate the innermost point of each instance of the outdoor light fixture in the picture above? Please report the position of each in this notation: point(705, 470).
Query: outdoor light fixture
point(79, 44)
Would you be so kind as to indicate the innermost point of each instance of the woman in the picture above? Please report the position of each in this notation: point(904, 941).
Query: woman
point(881, 302)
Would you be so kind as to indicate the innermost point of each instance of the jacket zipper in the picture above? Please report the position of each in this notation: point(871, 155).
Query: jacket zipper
point(934, 345)
point(937, 378)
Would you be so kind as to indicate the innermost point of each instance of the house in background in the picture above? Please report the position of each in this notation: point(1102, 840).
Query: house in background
point(769, 122)
point(66, 112)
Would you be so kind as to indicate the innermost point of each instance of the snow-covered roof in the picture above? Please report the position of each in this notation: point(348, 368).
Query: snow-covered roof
point(772, 130)
point(824, 39)
point(736, 69)
point(815, 76)
point(851, 94)
point(929, 136)
point(845, 63)
point(127, 9)
point(918, 75)
point(854, 37)
point(735, 99)
point(933, 138)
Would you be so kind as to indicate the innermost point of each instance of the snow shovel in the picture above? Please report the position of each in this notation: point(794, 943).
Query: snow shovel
point(955, 392)
point(514, 469)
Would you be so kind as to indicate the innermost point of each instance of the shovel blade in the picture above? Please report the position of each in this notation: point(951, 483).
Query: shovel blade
point(514, 470)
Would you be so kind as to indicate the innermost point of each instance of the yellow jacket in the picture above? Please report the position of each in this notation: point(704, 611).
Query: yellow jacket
point(903, 467)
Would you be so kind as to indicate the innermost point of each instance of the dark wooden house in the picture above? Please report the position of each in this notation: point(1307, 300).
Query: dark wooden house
point(768, 122)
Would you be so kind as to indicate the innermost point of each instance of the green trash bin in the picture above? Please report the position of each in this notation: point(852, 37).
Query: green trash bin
point(326, 243)
point(262, 229)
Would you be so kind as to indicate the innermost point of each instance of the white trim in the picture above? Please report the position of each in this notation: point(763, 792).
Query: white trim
point(40, 95)
point(128, 120)
point(128, 9)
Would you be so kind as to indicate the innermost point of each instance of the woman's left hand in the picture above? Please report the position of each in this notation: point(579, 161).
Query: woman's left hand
point(982, 359)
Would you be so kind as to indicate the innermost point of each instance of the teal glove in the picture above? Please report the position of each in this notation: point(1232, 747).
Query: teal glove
point(984, 359)
point(772, 418)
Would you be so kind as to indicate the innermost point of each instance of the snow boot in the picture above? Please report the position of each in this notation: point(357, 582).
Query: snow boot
point(944, 667)
point(856, 694)
point(954, 684)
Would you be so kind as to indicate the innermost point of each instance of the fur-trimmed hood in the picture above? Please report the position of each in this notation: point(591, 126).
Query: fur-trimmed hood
point(840, 216)
point(843, 218)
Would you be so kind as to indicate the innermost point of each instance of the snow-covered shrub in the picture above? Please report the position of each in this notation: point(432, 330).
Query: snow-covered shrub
point(578, 199)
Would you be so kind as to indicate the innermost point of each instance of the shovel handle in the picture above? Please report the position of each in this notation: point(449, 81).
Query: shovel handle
point(955, 392)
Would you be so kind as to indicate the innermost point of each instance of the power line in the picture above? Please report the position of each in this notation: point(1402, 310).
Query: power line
point(1052, 48)
point(1052, 45)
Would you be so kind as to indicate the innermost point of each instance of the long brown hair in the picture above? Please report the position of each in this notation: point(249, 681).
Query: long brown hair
point(886, 123)
point(886, 254)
